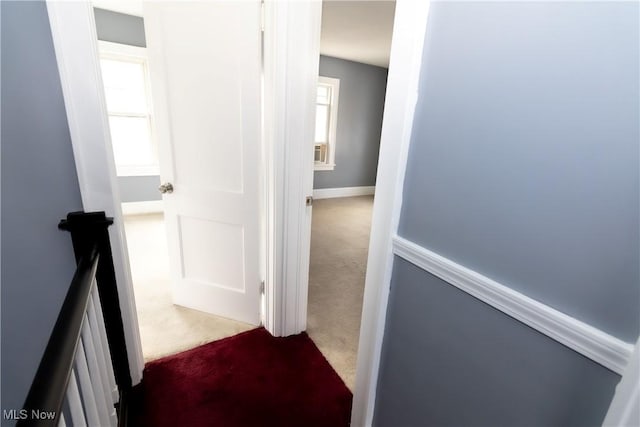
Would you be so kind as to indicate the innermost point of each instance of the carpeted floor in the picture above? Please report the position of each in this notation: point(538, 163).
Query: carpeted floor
point(339, 245)
point(251, 379)
point(165, 328)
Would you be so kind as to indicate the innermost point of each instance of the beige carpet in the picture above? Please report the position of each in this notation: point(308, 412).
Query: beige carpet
point(339, 244)
point(165, 328)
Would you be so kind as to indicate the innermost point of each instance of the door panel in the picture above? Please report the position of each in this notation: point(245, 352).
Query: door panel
point(204, 62)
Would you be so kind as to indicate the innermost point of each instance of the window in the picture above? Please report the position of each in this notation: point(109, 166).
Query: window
point(326, 122)
point(126, 87)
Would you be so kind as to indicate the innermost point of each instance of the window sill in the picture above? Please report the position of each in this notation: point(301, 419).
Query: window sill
point(323, 167)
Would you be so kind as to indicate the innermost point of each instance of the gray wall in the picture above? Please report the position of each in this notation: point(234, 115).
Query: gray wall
point(523, 166)
point(139, 188)
point(127, 29)
point(468, 364)
point(362, 89)
point(39, 187)
point(119, 28)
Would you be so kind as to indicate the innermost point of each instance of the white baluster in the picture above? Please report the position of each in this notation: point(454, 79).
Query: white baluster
point(94, 327)
point(86, 389)
point(95, 297)
point(75, 403)
point(103, 401)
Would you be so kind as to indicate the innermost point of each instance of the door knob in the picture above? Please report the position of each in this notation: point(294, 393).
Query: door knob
point(167, 187)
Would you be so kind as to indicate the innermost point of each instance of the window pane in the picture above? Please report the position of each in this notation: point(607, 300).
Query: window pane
point(324, 94)
point(131, 141)
point(124, 85)
point(322, 123)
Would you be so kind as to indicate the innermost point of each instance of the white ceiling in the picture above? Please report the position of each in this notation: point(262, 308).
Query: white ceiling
point(355, 30)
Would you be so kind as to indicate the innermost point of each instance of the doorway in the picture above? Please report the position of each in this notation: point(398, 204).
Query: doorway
point(339, 245)
point(349, 109)
point(74, 39)
point(165, 327)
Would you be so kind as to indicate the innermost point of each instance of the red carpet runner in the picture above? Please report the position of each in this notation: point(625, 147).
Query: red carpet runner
point(251, 379)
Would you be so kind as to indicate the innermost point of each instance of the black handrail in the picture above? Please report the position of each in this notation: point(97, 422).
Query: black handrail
point(49, 386)
point(88, 229)
point(92, 249)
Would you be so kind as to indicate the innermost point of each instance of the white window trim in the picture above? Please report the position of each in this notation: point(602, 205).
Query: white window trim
point(330, 164)
point(324, 166)
point(119, 51)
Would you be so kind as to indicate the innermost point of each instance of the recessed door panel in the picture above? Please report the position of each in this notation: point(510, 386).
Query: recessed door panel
point(205, 260)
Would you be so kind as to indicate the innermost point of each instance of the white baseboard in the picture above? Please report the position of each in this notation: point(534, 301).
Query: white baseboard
point(605, 349)
point(329, 193)
point(142, 208)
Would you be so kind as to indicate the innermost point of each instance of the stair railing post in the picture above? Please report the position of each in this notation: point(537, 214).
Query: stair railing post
point(89, 229)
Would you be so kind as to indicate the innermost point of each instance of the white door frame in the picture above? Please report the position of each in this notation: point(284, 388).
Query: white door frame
point(409, 29)
point(76, 46)
point(291, 58)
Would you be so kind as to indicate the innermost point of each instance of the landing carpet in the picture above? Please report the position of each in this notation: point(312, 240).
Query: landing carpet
point(250, 379)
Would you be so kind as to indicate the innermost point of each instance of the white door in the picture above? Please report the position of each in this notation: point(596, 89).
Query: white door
point(205, 68)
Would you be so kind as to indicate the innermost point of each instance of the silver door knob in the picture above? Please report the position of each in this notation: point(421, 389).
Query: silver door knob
point(167, 187)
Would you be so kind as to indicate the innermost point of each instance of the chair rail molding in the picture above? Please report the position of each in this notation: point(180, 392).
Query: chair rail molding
point(605, 349)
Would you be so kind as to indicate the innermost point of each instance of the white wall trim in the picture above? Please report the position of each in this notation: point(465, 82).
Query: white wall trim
point(329, 193)
point(321, 167)
point(410, 25)
point(605, 349)
point(330, 162)
point(121, 49)
point(75, 43)
point(143, 208)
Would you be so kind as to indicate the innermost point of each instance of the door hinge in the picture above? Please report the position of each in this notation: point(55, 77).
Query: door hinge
point(262, 287)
